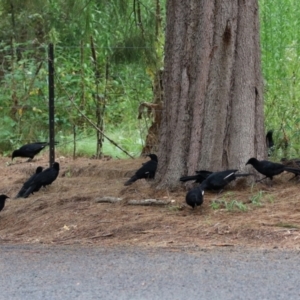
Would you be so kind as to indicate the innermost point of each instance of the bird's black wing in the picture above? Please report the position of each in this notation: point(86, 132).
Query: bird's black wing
point(42, 179)
point(27, 184)
point(199, 177)
point(218, 180)
point(269, 168)
point(147, 171)
point(34, 147)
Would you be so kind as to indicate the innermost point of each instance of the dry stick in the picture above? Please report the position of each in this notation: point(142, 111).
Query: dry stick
point(148, 202)
point(97, 128)
point(109, 199)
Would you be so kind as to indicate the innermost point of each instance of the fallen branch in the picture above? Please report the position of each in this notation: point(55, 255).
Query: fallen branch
point(146, 202)
point(107, 199)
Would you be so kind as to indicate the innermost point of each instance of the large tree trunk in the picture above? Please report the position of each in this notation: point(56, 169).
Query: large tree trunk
point(213, 106)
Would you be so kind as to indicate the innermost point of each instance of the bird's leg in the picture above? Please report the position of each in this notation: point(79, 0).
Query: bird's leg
point(271, 182)
point(293, 177)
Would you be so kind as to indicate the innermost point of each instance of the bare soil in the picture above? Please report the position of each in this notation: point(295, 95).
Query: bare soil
point(67, 212)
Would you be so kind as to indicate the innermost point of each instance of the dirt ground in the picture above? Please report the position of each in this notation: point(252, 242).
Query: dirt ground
point(67, 212)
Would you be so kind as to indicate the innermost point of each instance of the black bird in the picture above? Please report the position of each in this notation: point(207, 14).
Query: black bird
point(194, 197)
point(199, 177)
point(270, 169)
point(218, 180)
point(29, 150)
point(27, 184)
point(147, 170)
point(2, 201)
point(43, 179)
point(270, 142)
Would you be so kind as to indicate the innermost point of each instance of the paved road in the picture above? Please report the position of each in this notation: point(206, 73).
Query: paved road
point(43, 272)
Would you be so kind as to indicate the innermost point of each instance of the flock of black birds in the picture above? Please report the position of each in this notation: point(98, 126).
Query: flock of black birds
point(215, 181)
point(41, 178)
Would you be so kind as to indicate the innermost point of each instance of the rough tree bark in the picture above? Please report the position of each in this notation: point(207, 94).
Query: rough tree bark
point(213, 105)
point(155, 109)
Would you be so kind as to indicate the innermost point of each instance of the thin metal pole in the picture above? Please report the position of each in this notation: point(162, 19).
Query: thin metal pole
point(51, 103)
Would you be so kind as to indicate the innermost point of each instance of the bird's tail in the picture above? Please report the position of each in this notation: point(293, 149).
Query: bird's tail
point(29, 191)
point(131, 180)
point(188, 178)
point(21, 193)
point(292, 170)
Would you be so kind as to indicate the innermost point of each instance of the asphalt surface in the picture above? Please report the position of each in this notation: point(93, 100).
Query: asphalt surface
point(70, 272)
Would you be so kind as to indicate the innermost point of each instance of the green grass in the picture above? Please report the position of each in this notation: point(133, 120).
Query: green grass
point(287, 225)
point(229, 203)
point(256, 199)
point(128, 140)
point(232, 205)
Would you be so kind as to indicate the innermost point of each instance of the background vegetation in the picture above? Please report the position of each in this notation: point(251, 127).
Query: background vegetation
point(106, 56)
point(280, 21)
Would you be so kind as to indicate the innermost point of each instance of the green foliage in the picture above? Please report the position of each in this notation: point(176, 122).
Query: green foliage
point(230, 206)
point(229, 203)
point(7, 137)
point(124, 54)
point(287, 225)
point(257, 198)
point(280, 35)
point(128, 41)
point(234, 204)
point(215, 205)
